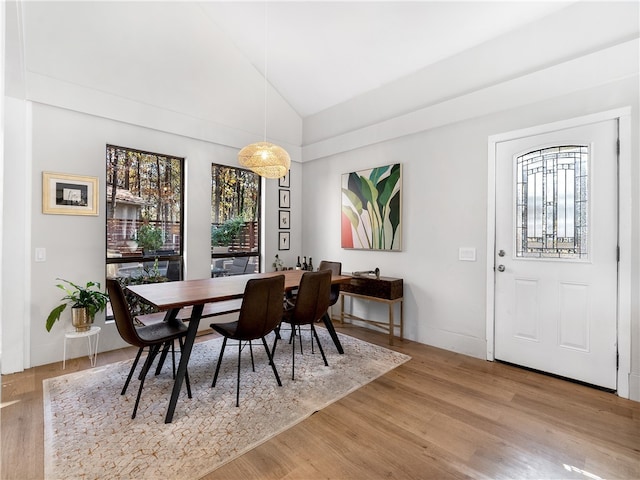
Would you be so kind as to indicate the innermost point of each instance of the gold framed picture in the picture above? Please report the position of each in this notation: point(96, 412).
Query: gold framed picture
point(67, 194)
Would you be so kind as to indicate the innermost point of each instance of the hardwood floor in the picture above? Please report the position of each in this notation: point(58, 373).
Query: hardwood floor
point(441, 415)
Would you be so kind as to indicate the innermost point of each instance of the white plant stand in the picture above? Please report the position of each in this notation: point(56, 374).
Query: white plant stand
point(93, 346)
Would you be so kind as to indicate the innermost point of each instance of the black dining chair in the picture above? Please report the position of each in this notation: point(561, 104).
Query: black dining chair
point(311, 303)
point(260, 313)
point(336, 269)
point(151, 337)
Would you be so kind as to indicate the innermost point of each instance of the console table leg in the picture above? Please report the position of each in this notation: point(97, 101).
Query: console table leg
point(392, 324)
point(401, 319)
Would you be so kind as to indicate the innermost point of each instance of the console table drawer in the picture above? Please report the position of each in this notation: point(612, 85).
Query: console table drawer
point(384, 287)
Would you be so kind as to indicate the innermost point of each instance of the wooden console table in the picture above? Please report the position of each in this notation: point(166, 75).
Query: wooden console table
point(384, 290)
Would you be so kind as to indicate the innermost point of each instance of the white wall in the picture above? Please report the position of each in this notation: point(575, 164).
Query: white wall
point(81, 75)
point(67, 141)
point(444, 208)
point(570, 70)
point(445, 197)
point(435, 123)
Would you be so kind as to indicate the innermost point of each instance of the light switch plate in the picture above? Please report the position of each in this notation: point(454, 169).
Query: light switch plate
point(467, 254)
point(41, 254)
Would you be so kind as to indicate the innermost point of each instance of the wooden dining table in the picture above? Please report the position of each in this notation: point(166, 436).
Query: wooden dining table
point(173, 296)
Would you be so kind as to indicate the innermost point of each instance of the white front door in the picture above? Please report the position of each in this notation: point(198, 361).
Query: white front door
point(556, 252)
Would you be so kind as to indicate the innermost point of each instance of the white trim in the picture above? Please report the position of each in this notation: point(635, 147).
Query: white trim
point(623, 115)
point(624, 265)
point(77, 98)
point(28, 189)
point(2, 88)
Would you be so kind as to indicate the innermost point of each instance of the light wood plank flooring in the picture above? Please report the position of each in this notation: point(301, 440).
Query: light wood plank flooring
point(441, 415)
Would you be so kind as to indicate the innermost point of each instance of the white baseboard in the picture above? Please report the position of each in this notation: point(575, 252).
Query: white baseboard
point(634, 386)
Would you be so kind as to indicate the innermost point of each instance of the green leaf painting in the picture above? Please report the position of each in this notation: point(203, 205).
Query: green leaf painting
point(371, 208)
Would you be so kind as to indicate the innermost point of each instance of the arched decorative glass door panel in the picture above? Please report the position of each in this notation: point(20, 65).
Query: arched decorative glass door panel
point(552, 203)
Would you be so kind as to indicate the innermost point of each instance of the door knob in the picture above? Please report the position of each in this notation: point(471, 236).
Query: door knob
point(501, 268)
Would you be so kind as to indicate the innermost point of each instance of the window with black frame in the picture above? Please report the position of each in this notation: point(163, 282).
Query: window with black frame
point(144, 198)
point(235, 221)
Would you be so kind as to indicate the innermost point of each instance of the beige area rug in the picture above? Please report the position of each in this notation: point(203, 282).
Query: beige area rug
point(89, 432)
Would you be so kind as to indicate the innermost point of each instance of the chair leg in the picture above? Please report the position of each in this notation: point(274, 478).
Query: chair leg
point(300, 335)
point(153, 352)
point(312, 350)
point(163, 356)
point(271, 362)
point(173, 358)
point(143, 376)
point(133, 367)
point(238, 380)
point(315, 334)
point(215, 376)
point(275, 341)
point(293, 334)
point(293, 358)
point(253, 365)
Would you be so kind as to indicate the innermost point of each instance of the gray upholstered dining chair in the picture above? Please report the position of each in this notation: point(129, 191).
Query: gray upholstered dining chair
point(260, 313)
point(238, 266)
point(151, 337)
point(311, 303)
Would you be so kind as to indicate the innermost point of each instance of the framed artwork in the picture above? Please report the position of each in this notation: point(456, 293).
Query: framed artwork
point(66, 194)
point(372, 209)
point(285, 216)
point(285, 199)
point(283, 240)
point(285, 181)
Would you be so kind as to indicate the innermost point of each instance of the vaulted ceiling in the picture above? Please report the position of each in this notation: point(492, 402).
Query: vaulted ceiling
point(319, 54)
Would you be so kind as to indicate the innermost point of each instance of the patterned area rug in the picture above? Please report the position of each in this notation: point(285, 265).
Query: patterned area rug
point(89, 432)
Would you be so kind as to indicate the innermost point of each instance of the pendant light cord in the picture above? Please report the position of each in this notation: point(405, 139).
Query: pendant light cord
point(266, 36)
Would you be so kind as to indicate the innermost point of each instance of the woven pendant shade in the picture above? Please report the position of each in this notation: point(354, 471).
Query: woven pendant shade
point(266, 159)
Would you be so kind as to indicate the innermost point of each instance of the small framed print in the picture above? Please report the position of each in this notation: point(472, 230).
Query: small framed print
point(283, 240)
point(66, 194)
point(285, 216)
point(285, 181)
point(285, 199)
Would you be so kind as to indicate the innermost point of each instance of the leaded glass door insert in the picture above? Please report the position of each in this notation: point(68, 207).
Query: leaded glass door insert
point(552, 203)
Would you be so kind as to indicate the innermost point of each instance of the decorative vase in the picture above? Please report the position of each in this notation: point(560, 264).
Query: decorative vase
point(81, 319)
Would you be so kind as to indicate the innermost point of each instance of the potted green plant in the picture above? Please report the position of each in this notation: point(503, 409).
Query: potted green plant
point(225, 234)
point(85, 303)
point(149, 238)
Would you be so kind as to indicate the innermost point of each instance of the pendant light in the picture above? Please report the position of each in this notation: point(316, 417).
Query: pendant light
point(264, 158)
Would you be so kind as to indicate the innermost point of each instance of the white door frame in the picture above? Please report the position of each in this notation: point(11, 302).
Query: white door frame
point(623, 115)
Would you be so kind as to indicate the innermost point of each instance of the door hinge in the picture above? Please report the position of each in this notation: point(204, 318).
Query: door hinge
point(618, 253)
point(617, 360)
point(618, 147)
